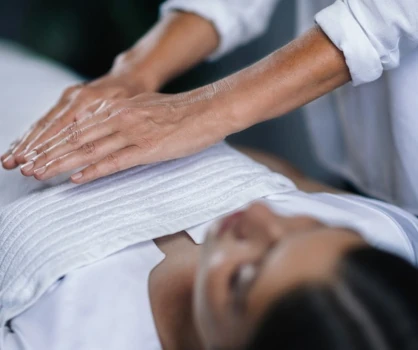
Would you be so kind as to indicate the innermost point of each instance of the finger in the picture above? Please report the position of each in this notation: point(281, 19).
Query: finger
point(66, 117)
point(85, 105)
point(7, 159)
point(112, 163)
point(9, 151)
point(75, 138)
point(87, 154)
point(8, 162)
point(35, 131)
point(83, 120)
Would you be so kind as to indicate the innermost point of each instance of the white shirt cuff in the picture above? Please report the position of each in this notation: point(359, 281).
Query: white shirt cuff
point(345, 32)
point(216, 12)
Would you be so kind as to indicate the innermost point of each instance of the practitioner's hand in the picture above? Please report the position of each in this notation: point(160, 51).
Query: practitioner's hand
point(75, 104)
point(148, 128)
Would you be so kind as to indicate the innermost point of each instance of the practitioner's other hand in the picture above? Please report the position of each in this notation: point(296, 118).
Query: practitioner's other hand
point(148, 128)
point(75, 104)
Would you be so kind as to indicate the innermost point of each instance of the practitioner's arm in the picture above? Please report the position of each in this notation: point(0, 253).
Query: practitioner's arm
point(176, 43)
point(155, 127)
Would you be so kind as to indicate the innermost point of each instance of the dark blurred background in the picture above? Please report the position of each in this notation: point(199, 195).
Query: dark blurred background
point(86, 35)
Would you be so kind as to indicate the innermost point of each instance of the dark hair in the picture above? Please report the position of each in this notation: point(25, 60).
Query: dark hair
point(371, 305)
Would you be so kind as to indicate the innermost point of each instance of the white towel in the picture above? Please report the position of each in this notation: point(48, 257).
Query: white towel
point(55, 230)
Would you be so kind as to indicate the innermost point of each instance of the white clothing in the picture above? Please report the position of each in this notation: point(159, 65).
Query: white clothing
point(103, 306)
point(365, 133)
point(106, 304)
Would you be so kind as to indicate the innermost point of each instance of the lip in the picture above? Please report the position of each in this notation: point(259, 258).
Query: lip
point(228, 222)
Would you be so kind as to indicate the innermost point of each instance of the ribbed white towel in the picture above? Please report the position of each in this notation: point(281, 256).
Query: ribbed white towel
point(54, 230)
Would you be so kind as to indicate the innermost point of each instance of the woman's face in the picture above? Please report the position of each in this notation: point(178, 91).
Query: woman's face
point(250, 260)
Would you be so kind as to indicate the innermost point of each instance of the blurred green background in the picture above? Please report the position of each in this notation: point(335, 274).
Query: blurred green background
point(86, 35)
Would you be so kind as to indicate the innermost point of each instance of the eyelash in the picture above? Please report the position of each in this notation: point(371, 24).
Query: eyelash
point(240, 287)
point(239, 292)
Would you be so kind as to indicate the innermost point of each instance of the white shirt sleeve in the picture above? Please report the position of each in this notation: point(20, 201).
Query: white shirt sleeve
point(373, 34)
point(236, 21)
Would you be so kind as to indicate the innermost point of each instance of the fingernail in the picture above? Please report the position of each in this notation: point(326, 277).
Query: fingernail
point(28, 166)
point(77, 176)
point(8, 159)
point(40, 171)
point(30, 155)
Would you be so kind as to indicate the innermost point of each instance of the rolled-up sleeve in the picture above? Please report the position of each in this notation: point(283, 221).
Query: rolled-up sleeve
point(236, 21)
point(373, 34)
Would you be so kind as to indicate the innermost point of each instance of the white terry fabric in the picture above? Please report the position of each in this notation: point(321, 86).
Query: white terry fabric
point(363, 133)
point(102, 306)
point(87, 223)
point(80, 303)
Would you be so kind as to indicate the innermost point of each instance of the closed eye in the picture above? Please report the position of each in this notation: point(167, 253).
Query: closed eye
point(244, 278)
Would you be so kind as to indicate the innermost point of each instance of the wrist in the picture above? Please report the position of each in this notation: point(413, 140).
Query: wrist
point(128, 65)
point(222, 107)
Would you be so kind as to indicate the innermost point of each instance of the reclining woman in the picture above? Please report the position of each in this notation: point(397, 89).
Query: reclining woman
point(119, 263)
point(263, 276)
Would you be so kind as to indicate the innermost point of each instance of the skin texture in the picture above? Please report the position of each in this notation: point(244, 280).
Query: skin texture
point(220, 291)
point(176, 43)
point(154, 127)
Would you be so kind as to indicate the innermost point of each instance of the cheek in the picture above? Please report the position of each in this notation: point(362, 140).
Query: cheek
point(214, 318)
point(207, 298)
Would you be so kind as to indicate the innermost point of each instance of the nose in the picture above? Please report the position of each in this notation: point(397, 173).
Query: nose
point(257, 225)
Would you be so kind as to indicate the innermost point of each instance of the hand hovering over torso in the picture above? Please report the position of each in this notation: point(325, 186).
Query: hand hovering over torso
point(149, 64)
point(119, 133)
point(123, 133)
point(75, 104)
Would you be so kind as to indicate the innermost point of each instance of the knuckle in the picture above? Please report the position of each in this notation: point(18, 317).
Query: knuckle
point(109, 103)
point(43, 155)
point(74, 137)
point(144, 143)
point(92, 172)
point(72, 91)
point(72, 132)
point(42, 148)
point(56, 164)
point(89, 148)
point(113, 161)
point(125, 114)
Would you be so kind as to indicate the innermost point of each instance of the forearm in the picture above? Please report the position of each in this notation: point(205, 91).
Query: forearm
point(300, 72)
point(175, 44)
